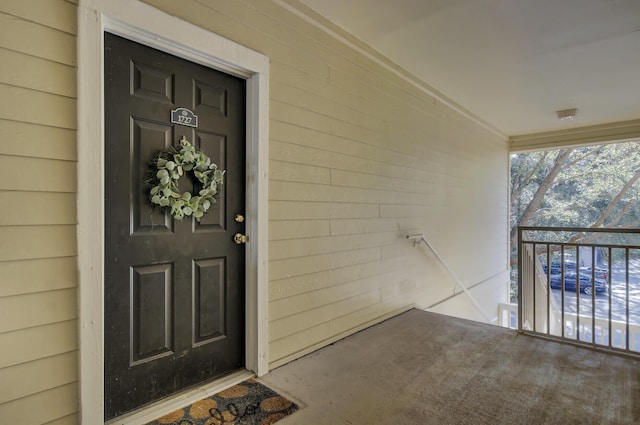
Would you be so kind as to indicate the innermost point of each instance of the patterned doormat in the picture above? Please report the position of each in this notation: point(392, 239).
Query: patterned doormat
point(248, 403)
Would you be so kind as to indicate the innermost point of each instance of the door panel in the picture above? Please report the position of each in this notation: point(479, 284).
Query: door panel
point(174, 289)
point(148, 138)
point(152, 287)
point(209, 278)
point(214, 220)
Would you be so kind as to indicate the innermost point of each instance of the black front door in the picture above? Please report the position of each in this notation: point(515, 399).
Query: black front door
point(174, 289)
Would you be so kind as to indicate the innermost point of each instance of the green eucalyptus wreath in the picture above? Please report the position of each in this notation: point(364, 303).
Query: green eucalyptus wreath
point(171, 164)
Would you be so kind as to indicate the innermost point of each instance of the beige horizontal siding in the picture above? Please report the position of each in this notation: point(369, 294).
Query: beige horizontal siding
point(295, 229)
point(299, 172)
point(18, 69)
point(291, 325)
point(37, 275)
point(37, 141)
point(364, 128)
point(41, 308)
point(37, 376)
point(362, 106)
point(308, 301)
point(292, 248)
point(373, 181)
point(45, 407)
point(37, 208)
point(31, 242)
point(37, 174)
point(299, 284)
point(298, 342)
point(37, 40)
point(296, 191)
point(287, 349)
point(38, 267)
point(358, 159)
point(57, 14)
point(37, 107)
point(280, 269)
point(72, 419)
point(292, 210)
point(26, 344)
point(352, 226)
point(344, 156)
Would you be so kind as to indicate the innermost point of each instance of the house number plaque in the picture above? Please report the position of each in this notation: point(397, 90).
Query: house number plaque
point(183, 116)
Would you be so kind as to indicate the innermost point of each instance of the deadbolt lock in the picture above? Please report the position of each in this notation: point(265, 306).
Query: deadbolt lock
point(239, 218)
point(239, 238)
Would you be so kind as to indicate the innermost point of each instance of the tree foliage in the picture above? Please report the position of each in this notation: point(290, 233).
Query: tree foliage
point(595, 186)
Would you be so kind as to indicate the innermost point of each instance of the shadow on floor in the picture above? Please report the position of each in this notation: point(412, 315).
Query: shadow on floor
point(425, 368)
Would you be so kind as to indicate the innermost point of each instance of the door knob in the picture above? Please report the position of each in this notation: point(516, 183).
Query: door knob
point(239, 218)
point(239, 238)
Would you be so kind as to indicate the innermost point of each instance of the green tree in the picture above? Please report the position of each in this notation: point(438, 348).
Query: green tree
point(581, 187)
point(594, 186)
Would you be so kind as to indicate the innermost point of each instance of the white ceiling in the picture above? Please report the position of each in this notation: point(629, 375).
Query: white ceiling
point(513, 63)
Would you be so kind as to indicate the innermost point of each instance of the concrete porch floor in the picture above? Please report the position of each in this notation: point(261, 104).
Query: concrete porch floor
point(425, 368)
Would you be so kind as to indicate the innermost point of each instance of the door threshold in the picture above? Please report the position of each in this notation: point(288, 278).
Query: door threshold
point(167, 405)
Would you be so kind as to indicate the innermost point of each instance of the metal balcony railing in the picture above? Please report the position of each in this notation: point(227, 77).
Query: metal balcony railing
point(579, 285)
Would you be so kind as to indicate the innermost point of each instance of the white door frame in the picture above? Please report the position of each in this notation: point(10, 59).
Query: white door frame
point(147, 25)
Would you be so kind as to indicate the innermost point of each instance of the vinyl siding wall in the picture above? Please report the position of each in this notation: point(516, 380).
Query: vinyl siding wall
point(360, 157)
point(38, 300)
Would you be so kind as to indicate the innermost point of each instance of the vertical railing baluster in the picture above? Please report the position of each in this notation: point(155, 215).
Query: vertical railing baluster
point(593, 295)
point(533, 288)
point(610, 283)
point(548, 287)
point(578, 294)
point(562, 289)
point(626, 256)
point(520, 285)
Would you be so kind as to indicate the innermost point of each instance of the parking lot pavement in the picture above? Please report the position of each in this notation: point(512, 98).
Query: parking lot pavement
point(617, 293)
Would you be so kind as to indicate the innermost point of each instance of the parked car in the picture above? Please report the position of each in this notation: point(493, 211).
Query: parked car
point(556, 267)
point(570, 279)
point(570, 267)
point(601, 273)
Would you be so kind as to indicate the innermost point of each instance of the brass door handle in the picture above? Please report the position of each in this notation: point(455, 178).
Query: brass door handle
point(239, 238)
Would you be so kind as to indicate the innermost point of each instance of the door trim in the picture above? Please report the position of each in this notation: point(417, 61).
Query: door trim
point(146, 25)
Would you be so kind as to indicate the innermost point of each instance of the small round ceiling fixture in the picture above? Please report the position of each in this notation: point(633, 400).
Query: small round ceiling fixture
point(567, 114)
